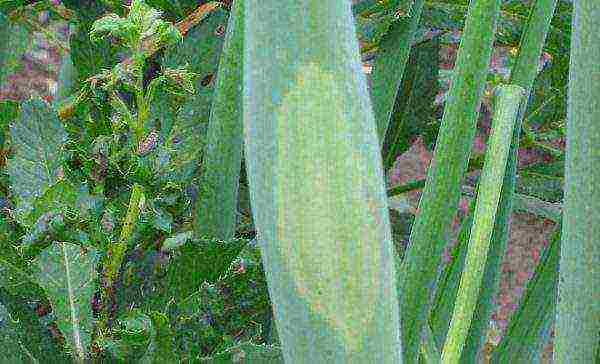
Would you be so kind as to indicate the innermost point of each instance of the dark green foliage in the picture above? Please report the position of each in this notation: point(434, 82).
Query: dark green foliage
point(390, 62)
point(414, 111)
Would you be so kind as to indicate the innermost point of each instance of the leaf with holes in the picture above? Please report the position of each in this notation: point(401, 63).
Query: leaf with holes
point(67, 274)
point(38, 140)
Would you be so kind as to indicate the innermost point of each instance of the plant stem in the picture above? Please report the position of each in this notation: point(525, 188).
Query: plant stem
point(116, 252)
point(523, 74)
point(507, 109)
point(578, 303)
point(442, 190)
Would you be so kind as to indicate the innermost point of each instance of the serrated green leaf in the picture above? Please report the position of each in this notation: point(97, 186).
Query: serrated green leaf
point(197, 261)
point(89, 58)
point(68, 198)
point(67, 273)
point(176, 241)
point(38, 140)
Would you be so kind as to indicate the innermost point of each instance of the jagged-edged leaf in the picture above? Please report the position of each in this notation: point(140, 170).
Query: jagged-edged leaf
point(37, 140)
point(15, 275)
point(143, 337)
point(67, 273)
point(88, 57)
point(237, 305)
point(131, 335)
point(200, 260)
point(69, 198)
point(176, 241)
point(248, 353)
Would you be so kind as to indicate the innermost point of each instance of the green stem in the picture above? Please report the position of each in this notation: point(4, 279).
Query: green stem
point(578, 304)
point(508, 100)
point(442, 190)
point(116, 252)
point(523, 75)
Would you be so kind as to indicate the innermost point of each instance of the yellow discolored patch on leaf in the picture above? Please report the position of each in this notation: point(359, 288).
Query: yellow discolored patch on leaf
point(329, 229)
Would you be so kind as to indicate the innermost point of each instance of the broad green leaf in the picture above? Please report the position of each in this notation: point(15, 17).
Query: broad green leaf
point(316, 184)
point(67, 273)
point(197, 261)
point(89, 58)
point(74, 200)
point(578, 307)
point(216, 205)
point(38, 141)
point(235, 306)
point(248, 353)
point(523, 338)
point(442, 190)
point(176, 241)
point(28, 333)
